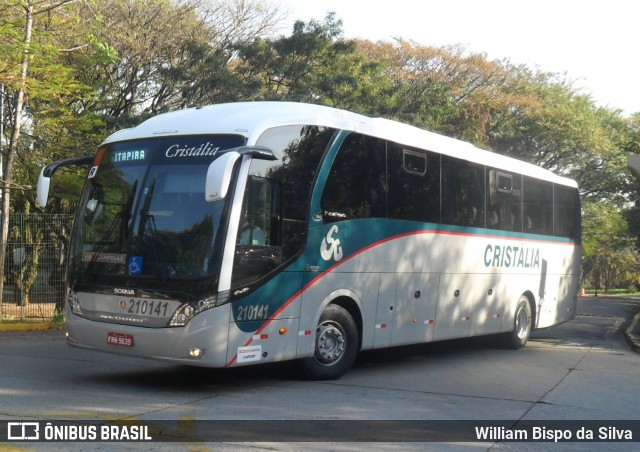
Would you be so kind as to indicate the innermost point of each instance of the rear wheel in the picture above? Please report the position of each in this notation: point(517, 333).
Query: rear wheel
point(336, 345)
point(522, 324)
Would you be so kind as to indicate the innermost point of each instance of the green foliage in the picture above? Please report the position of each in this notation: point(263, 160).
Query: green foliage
point(31, 239)
point(314, 65)
point(569, 135)
point(610, 259)
point(57, 125)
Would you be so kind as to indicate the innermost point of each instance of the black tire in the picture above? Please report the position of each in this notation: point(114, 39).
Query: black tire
point(336, 346)
point(522, 325)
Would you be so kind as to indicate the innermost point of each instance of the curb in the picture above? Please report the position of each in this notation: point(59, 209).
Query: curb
point(29, 326)
point(634, 341)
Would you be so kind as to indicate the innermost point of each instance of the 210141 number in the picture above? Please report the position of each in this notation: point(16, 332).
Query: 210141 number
point(252, 312)
point(145, 307)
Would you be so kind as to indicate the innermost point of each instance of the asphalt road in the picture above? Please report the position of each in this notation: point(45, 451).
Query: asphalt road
point(582, 370)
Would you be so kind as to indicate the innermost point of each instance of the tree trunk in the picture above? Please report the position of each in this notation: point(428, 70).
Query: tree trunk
point(13, 144)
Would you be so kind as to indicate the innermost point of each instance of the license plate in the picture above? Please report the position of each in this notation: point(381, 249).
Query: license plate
point(123, 340)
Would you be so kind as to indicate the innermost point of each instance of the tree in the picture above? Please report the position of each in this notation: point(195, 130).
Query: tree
point(566, 133)
point(314, 64)
point(168, 54)
point(15, 135)
point(632, 147)
point(36, 80)
point(449, 90)
point(609, 257)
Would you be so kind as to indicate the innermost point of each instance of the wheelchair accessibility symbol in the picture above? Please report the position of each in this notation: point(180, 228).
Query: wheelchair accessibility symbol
point(135, 265)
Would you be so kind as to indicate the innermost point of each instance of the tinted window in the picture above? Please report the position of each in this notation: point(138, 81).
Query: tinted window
point(504, 200)
point(537, 206)
point(275, 205)
point(567, 212)
point(462, 192)
point(258, 248)
point(299, 150)
point(144, 209)
point(356, 185)
point(414, 184)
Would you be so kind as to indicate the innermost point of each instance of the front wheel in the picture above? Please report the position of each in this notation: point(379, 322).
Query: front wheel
point(336, 345)
point(522, 325)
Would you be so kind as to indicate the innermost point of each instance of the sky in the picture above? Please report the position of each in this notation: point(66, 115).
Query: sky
point(594, 43)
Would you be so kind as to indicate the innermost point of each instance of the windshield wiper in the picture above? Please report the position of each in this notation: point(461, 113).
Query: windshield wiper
point(148, 223)
point(126, 212)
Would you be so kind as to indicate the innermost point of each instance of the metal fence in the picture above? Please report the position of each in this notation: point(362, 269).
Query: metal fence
point(35, 263)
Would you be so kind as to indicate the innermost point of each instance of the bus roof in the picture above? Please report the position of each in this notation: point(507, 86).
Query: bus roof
point(250, 119)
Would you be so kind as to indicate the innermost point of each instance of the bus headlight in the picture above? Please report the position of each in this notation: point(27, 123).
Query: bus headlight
point(182, 315)
point(188, 310)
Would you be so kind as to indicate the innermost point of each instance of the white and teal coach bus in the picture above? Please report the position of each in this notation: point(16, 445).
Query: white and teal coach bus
point(247, 233)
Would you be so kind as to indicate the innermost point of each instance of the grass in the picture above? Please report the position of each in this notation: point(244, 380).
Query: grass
point(614, 292)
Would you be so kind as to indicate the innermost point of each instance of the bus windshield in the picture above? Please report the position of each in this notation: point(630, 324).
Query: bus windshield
point(143, 213)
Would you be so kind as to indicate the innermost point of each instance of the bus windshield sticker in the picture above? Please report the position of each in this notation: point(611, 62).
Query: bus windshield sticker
point(135, 265)
point(111, 258)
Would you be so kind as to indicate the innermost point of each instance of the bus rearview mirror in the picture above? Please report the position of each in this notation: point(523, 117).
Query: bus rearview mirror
point(42, 192)
point(219, 176)
point(44, 179)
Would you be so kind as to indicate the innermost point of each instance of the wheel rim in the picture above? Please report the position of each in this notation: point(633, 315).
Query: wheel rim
point(522, 322)
point(331, 343)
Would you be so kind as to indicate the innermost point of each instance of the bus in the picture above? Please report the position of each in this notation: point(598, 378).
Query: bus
point(255, 232)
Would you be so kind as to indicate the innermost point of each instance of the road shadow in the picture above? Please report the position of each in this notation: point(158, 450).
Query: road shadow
point(189, 379)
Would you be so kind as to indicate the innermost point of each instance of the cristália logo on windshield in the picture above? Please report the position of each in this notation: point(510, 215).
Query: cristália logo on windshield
point(330, 246)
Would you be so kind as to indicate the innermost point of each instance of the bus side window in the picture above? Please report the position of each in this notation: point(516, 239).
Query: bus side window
point(463, 191)
point(275, 207)
point(566, 216)
point(261, 221)
point(299, 149)
point(356, 185)
point(537, 206)
point(414, 184)
point(504, 201)
point(258, 249)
